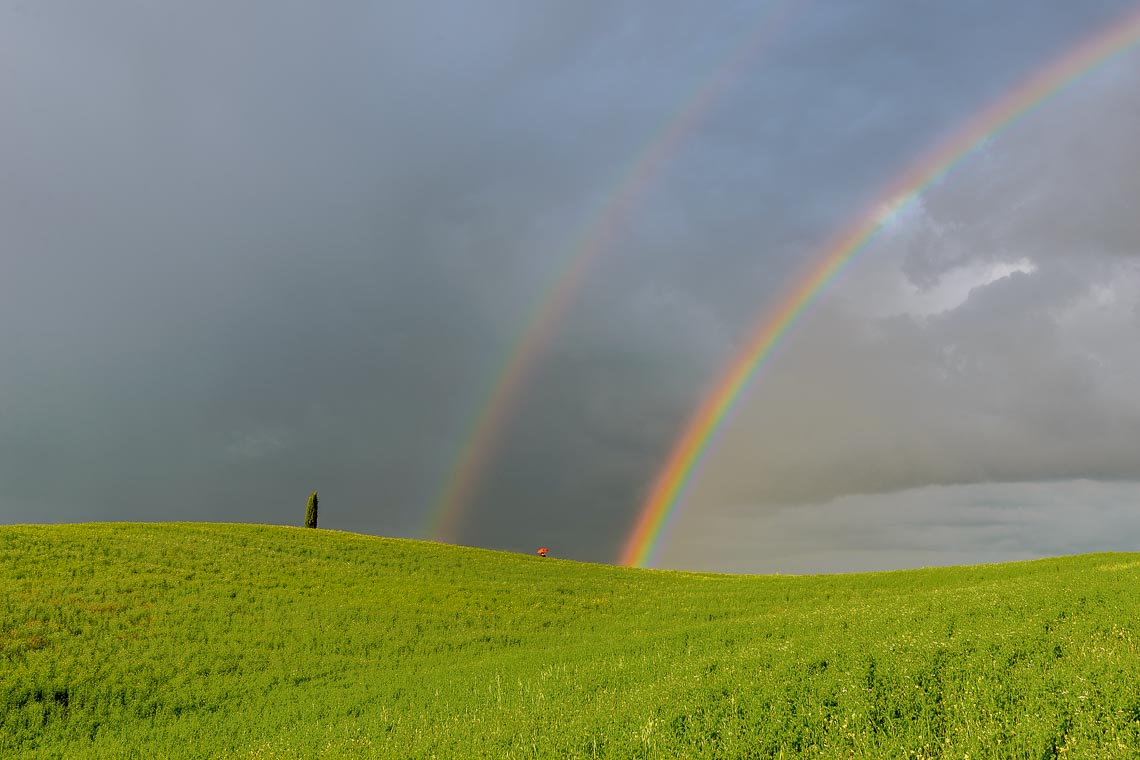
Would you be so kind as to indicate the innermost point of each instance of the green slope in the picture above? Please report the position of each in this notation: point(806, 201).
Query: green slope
point(197, 640)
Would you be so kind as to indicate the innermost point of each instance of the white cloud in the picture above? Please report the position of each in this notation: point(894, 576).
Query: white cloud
point(951, 290)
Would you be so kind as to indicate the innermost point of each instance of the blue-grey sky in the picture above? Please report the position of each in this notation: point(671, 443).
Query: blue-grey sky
point(259, 249)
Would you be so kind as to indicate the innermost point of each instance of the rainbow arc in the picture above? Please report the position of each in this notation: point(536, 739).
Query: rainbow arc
point(485, 426)
point(668, 489)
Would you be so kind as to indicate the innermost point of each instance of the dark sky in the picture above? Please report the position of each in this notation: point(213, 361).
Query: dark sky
point(257, 249)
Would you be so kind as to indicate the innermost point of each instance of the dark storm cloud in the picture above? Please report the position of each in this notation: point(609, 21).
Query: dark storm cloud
point(257, 249)
point(219, 231)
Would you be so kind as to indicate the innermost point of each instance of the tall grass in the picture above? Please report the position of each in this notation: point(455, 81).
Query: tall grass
point(193, 640)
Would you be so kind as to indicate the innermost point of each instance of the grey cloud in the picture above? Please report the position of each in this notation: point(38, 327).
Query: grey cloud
point(931, 526)
point(1024, 380)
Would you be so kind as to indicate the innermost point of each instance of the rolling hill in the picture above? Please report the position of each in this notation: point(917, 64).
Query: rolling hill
point(208, 640)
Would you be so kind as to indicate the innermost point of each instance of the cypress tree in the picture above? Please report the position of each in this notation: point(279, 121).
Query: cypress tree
point(311, 511)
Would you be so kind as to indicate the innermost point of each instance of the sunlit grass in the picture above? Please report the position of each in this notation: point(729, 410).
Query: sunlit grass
point(200, 640)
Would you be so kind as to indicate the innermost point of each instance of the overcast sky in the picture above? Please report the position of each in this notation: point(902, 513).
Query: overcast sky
point(256, 249)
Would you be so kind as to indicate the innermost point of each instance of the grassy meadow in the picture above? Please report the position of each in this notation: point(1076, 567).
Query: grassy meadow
point(204, 640)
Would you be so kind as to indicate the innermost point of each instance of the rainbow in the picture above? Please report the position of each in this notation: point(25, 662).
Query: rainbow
point(687, 453)
point(485, 427)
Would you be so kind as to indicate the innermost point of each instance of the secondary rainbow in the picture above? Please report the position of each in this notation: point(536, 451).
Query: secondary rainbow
point(486, 425)
point(685, 457)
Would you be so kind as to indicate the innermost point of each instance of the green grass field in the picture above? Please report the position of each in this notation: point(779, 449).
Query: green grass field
point(201, 640)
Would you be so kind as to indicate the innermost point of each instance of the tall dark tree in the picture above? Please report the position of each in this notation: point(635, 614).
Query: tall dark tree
point(311, 511)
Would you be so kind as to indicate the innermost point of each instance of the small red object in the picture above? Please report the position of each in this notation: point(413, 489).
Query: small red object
point(543, 551)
